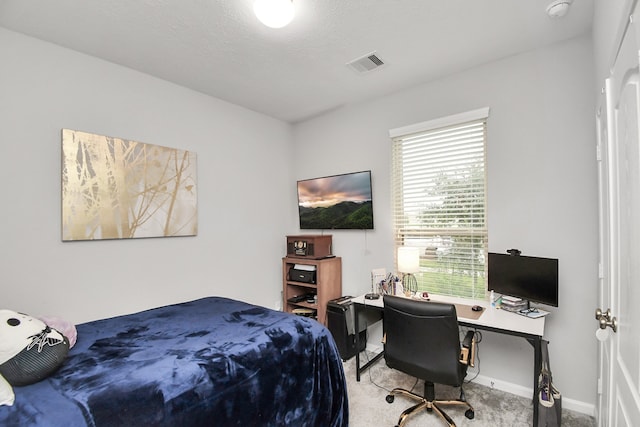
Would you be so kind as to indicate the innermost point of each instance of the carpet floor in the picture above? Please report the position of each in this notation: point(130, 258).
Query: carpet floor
point(493, 408)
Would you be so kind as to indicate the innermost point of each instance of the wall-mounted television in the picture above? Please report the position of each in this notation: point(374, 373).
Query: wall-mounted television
point(531, 278)
point(336, 202)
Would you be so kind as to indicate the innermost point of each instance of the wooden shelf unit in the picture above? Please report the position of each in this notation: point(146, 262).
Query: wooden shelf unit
point(328, 284)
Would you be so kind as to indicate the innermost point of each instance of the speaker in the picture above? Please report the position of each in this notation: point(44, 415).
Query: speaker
point(300, 248)
point(309, 246)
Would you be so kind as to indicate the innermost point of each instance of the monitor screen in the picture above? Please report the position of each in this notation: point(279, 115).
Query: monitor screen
point(336, 202)
point(531, 278)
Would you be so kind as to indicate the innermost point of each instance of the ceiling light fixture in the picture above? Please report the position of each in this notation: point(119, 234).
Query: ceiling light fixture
point(558, 8)
point(274, 13)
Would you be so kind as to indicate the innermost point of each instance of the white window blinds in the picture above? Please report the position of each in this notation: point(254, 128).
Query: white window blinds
point(438, 192)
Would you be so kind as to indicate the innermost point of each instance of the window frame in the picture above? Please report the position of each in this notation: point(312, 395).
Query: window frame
point(468, 272)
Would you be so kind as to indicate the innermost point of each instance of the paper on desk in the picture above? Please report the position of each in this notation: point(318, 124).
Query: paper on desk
point(533, 314)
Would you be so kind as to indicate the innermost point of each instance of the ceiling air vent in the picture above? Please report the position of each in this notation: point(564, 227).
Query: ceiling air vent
point(366, 63)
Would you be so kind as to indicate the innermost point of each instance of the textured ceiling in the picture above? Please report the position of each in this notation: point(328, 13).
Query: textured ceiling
point(218, 47)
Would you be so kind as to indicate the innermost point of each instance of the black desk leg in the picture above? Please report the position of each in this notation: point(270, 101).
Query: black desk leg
point(356, 323)
point(537, 367)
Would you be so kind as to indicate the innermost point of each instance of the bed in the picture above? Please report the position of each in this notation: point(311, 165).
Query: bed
point(208, 362)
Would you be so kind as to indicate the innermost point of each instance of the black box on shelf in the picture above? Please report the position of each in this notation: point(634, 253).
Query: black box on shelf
point(305, 276)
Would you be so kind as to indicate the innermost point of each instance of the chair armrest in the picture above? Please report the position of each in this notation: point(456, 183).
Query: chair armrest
point(468, 349)
point(468, 339)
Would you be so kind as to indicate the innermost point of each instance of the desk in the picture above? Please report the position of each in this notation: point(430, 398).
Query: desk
point(494, 320)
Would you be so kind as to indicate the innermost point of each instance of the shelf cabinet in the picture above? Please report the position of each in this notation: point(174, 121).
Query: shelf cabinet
point(327, 286)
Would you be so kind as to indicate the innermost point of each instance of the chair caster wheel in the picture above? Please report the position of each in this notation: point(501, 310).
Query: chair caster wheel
point(469, 414)
point(390, 398)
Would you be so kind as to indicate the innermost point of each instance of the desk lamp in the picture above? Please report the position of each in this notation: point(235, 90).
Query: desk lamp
point(409, 263)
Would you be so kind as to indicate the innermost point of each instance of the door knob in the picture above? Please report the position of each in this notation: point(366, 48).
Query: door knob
point(605, 319)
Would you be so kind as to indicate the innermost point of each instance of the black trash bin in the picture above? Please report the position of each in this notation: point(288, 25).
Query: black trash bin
point(340, 321)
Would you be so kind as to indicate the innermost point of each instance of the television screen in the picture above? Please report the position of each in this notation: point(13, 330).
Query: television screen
point(530, 278)
point(336, 202)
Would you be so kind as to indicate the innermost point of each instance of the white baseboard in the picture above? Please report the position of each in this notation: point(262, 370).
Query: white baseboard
point(518, 390)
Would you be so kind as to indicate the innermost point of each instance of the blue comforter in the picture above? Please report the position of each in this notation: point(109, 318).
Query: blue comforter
point(209, 362)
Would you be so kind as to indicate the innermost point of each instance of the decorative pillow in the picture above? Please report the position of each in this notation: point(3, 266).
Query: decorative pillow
point(6, 393)
point(65, 327)
point(29, 351)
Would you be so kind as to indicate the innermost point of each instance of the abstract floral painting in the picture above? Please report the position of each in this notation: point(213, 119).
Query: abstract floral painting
point(115, 188)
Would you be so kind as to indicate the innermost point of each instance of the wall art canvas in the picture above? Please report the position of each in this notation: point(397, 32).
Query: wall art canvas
point(115, 188)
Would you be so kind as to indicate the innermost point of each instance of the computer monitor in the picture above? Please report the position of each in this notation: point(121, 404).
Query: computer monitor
point(531, 278)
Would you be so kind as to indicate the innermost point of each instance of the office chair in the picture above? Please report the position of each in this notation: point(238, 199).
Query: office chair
point(422, 339)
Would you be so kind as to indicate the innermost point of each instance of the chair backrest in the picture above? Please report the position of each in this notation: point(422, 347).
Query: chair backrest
point(422, 339)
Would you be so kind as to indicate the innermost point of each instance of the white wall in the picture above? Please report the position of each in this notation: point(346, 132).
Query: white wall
point(542, 194)
point(243, 160)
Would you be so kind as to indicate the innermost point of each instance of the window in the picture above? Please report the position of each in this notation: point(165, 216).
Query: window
point(439, 204)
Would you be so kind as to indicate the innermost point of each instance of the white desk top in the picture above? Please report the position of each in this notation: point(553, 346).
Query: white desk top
point(490, 318)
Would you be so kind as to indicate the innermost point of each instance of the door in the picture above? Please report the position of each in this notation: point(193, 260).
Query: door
point(620, 352)
point(604, 352)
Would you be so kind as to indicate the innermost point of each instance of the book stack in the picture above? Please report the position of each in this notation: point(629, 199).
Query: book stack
point(513, 304)
point(305, 312)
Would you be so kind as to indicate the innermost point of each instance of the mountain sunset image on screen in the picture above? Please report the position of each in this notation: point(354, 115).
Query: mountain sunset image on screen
point(336, 202)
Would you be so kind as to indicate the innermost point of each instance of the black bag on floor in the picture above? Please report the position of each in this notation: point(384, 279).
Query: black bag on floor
point(549, 398)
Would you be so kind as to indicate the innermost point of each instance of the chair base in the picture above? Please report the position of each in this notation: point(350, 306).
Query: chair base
point(429, 405)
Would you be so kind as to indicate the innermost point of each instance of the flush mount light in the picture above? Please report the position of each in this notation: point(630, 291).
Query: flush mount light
point(558, 8)
point(274, 13)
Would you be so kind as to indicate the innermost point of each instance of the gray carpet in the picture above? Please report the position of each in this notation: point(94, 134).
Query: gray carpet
point(368, 407)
